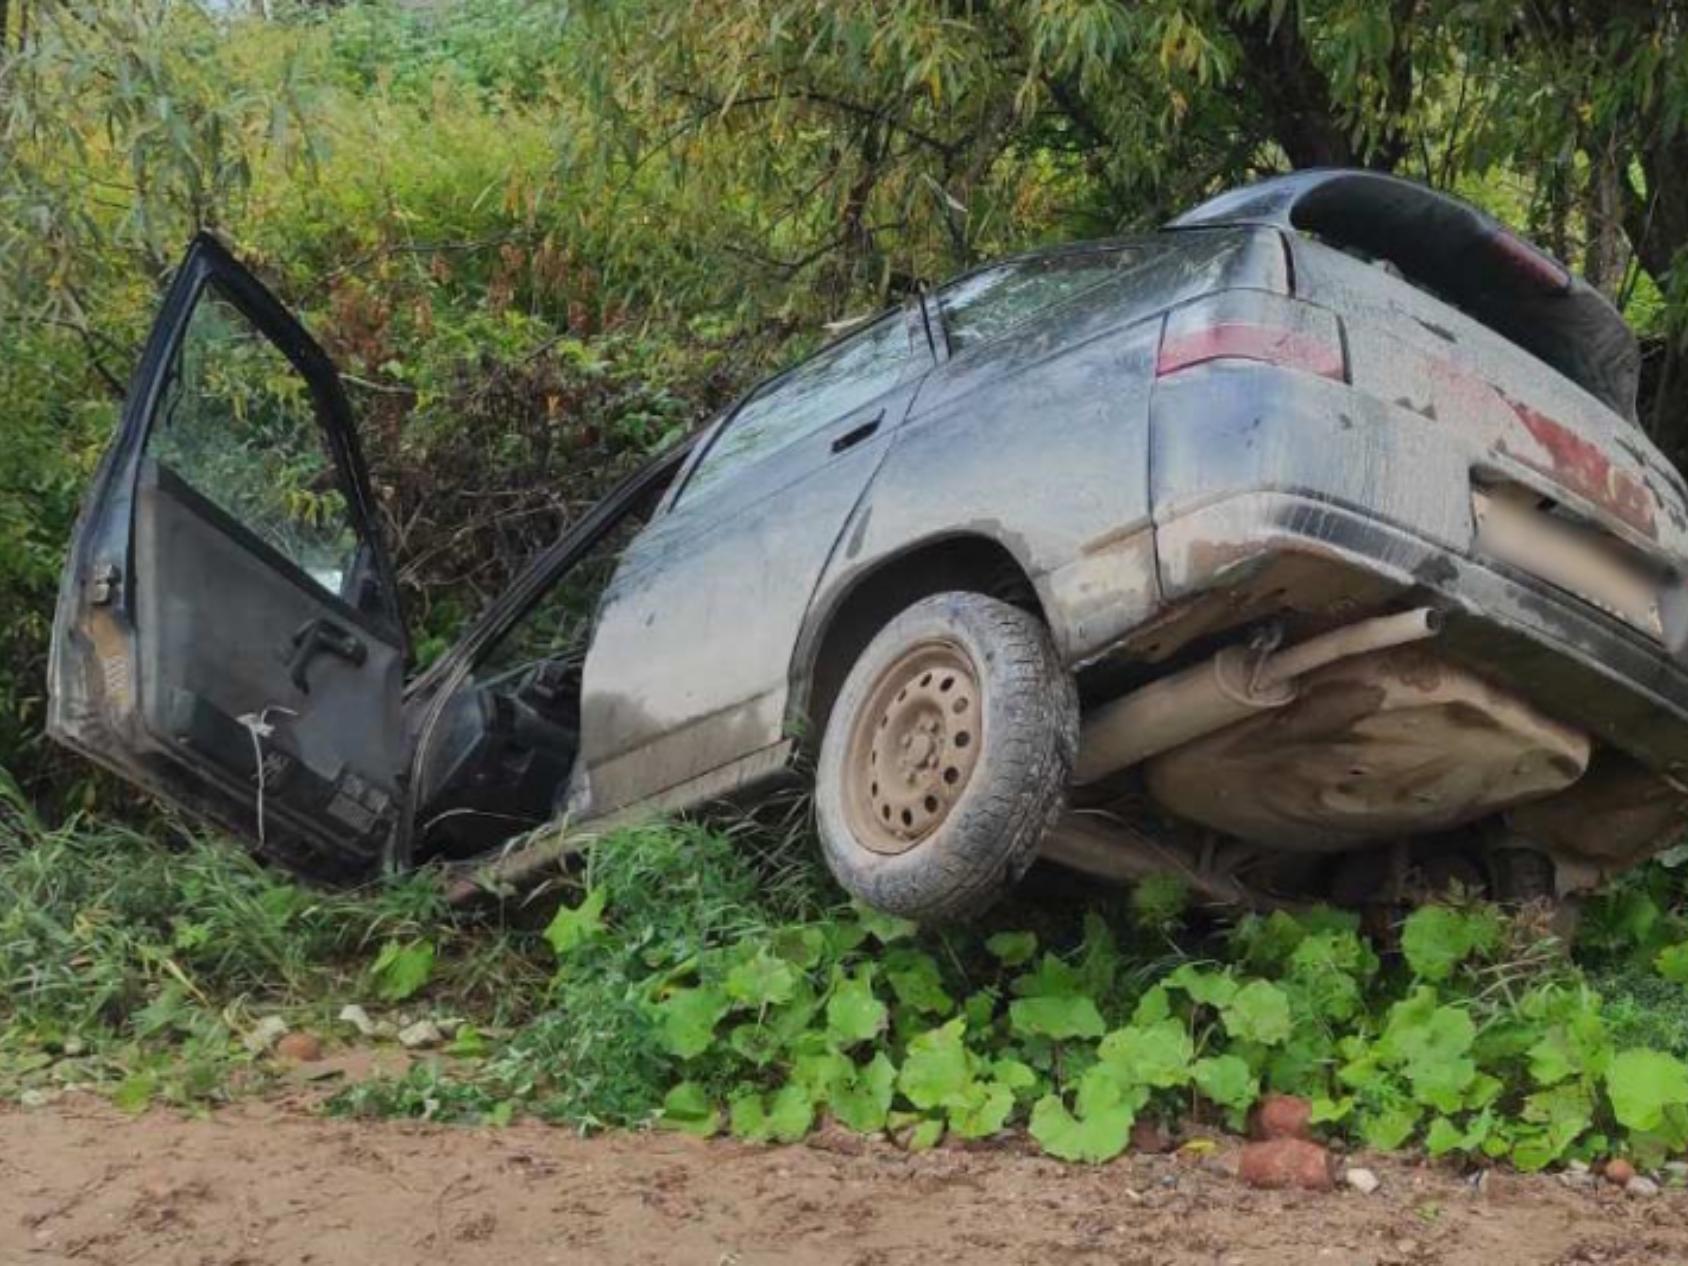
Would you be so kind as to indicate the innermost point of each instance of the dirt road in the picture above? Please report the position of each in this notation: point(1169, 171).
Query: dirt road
point(266, 1184)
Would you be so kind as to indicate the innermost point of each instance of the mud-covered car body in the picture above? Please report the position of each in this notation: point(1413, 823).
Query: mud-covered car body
point(1323, 400)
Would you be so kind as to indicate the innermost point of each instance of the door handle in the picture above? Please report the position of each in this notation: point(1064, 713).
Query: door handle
point(321, 636)
point(856, 434)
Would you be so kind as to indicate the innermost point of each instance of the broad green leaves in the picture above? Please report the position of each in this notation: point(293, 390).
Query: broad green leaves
point(571, 928)
point(936, 1070)
point(1058, 1017)
point(401, 969)
point(1645, 1086)
point(1154, 1055)
point(689, 1017)
point(1436, 939)
point(864, 1025)
point(1099, 1136)
point(853, 1014)
point(1259, 1012)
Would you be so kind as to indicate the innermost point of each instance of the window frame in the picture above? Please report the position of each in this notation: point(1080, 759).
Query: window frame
point(937, 317)
point(922, 355)
point(209, 264)
point(327, 415)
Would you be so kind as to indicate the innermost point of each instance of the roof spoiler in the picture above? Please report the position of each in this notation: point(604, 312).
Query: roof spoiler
point(1465, 256)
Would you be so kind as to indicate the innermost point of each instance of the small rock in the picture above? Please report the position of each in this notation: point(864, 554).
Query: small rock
point(302, 1048)
point(1280, 1117)
point(1286, 1163)
point(1619, 1172)
point(358, 1018)
point(1361, 1180)
point(1676, 1171)
point(265, 1034)
point(36, 1097)
point(1150, 1136)
point(1641, 1188)
point(423, 1033)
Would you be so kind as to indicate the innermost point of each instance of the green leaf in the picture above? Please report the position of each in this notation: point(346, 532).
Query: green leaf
point(688, 1107)
point(853, 1014)
point(135, 1092)
point(1331, 1111)
point(884, 928)
point(1672, 963)
point(757, 1043)
point(571, 928)
point(1436, 939)
point(1208, 988)
point(1227, 1081)
point(862, 1099)
point(800, 946)
point(1154, 1006)
point(936, 1071)
point(1012, 948)
point(747, 1117)
point(1642, 1084)
point(918, 984)
point(1443, 1137)
point(688, 1019)
point(761, 980)
point(924, 1137)
point(982, 1111)
point(469, 1043)
point(1258, 1012)
point(401, 969)
point(1156, 1055)
point(1387, 1127)
point(1058, 1018)
point(1053, 977)
point(790, 1113)
point(1429, 1043)
point(1014, 1074)
point(1097, 1138)
point(784, 1117)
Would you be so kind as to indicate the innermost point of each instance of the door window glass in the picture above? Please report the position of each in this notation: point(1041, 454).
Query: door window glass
point(988, 304)
point(238, 424)
point(824, 388)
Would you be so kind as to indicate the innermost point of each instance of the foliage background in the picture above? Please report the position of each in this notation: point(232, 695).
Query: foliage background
point(542, 237)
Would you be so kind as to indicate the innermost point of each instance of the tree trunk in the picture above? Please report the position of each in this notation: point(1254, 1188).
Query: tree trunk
point(1292, 90)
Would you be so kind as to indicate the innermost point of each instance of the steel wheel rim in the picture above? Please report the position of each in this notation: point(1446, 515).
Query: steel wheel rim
point(913, 747)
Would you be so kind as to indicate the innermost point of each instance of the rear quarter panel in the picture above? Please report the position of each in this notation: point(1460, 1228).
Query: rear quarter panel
point(1039, 441)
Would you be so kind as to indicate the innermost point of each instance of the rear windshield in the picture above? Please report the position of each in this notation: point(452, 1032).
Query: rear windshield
point(988, 304)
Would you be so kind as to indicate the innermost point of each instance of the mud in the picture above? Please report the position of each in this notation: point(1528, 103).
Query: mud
point(272, 1183)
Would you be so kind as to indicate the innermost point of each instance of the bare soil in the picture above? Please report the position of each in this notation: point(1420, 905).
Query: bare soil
point(267, 1183)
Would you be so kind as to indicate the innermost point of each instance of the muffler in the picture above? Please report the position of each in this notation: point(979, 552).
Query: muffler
point(1233, 685)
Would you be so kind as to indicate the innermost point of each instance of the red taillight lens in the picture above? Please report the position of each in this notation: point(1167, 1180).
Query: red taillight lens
point(1252, 325)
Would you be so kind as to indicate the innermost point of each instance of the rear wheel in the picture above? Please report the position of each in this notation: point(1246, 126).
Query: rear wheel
point(946, 757)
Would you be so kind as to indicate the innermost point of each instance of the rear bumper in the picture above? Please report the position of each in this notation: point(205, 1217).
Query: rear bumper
point(1277, 489)
point(1568, 658)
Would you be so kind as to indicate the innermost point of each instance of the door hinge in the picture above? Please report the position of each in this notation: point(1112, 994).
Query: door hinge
point(102, 586)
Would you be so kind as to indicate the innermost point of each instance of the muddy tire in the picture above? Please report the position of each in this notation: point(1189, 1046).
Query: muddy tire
point(946, 757)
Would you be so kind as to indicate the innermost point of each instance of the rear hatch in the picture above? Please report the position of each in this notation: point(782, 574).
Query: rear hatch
point(1409, 347)
point(1448, 315)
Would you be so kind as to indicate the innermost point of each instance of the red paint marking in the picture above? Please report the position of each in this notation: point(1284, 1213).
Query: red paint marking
point(1250, 342)
point(1583, 468)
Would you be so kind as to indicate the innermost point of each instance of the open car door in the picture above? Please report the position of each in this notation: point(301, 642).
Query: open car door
point(228, 634)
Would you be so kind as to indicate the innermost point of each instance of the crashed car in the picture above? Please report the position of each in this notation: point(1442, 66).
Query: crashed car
point(1308, 548)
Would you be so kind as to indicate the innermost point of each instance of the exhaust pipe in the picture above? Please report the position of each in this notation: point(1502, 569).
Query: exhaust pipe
point(1224, 690)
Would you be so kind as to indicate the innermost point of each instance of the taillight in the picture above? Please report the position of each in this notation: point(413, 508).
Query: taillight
point(1252, 325)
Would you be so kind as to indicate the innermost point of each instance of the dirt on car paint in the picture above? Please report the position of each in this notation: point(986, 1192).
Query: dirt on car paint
point(271, 1182)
